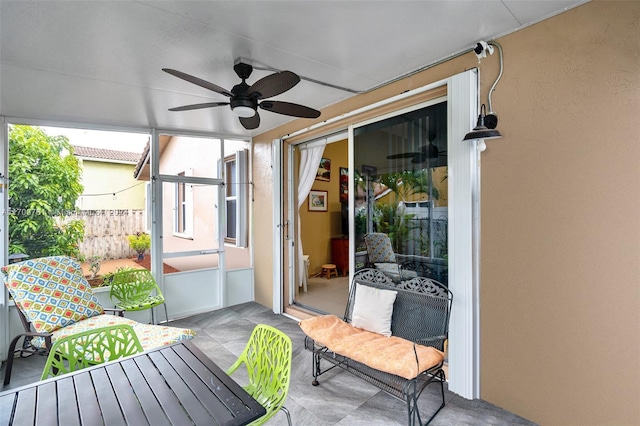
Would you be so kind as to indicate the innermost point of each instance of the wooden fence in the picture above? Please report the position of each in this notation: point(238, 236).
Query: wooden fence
point(105, 232)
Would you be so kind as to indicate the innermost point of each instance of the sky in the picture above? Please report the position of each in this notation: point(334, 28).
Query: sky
point(117, 141)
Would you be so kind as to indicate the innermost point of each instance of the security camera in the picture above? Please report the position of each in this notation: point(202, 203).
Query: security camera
point(482, 48)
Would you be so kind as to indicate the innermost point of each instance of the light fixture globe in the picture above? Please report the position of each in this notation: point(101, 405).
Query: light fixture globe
point(243, 107)
point(244, 111)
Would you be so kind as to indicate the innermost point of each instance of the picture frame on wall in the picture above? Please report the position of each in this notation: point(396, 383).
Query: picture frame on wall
point(318, 201)
point(324, 170)
point(344, 184)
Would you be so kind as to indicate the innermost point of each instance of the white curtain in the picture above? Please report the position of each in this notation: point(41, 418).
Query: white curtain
point(309, 162)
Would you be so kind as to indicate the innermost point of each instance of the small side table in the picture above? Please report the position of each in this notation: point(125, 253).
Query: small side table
point(329, 269)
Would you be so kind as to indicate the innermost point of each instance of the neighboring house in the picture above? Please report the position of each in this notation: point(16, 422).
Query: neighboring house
point(191, 209)
point(112, 203)
point(107, 177)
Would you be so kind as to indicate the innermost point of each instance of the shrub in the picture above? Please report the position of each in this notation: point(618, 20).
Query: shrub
point(140, 242)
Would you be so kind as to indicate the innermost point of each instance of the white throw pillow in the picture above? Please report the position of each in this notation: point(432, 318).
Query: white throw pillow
point(372, 309)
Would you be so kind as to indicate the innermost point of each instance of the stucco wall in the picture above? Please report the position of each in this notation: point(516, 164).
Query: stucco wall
point(100, 177)
point(560, 250)
point(560, 231)
point(177, 158)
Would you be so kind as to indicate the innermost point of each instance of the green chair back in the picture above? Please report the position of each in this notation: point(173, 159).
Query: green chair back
point(92, 347)
point(267, 358)
point(136, 290)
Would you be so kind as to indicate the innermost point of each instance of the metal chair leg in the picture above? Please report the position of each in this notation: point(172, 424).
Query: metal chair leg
point(283, 408)
point(9, 365)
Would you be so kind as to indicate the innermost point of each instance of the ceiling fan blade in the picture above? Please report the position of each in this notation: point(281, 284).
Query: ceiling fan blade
point(403, 155)
point(250, 123)
point(198, 106)
point(273, 84)
point(287, 108)
point(419, 159)
point(198, 81)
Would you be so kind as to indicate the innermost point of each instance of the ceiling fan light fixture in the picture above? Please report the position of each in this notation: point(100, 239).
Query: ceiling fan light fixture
point(244, 111)
point(481, 131)
point(245, 100)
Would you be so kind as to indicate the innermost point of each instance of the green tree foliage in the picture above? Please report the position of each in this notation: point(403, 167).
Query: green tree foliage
point(392, 220)
point(410, 182)
point(44, 184)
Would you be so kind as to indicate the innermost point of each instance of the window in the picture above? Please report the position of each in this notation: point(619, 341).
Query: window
point(236, 184)
point(183, 217)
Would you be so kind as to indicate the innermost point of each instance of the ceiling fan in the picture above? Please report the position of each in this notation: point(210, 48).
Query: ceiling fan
point(245, 100)
point(427, 152)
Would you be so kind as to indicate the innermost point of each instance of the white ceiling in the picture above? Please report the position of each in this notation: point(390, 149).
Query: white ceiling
point(99, 62)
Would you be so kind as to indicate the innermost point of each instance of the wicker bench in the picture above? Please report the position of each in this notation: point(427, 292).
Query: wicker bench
point(402, 365)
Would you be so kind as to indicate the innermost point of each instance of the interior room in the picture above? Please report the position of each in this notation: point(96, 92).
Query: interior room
point(529, 192)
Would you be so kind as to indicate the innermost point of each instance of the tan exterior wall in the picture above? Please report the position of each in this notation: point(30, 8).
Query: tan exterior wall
point(100, 177)
point(560, 250)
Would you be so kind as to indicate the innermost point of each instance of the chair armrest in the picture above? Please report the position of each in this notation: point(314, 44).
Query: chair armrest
point(115, 311)
point(430, 341)
point(31, 334)
point(432, 338)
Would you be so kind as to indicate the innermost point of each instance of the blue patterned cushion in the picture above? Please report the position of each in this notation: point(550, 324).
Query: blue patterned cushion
point(51, 292)
point(379, 249)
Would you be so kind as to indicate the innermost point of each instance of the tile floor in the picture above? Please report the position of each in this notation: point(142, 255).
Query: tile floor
point(341, 399)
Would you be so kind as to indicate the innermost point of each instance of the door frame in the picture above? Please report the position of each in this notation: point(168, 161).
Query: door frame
point(464, 204)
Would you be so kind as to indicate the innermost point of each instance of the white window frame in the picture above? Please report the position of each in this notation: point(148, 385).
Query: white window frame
point(240, 180)
point(186, 207)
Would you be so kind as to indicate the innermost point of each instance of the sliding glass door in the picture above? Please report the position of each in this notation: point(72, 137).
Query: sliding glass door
point(401, 191)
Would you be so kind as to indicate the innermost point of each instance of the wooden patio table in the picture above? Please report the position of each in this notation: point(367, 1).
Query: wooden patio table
point(172, 385)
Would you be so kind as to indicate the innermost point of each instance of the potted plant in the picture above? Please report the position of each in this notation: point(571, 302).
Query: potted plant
point(94, 265)
point(140, 242)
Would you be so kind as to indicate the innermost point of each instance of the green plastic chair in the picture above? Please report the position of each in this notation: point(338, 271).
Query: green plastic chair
point(92, 347)
point(267, 358)
point(136, 290)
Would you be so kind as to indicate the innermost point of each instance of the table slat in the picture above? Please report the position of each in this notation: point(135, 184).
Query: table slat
point(87, 401)
point(163, 393)
point(148, 402)
point(67, 405)
point(195, 409)
point(46, 406)
point(6, 407)
point(129, 405)
point(213, 402)
point(25, 408)
point(239, 401)
point(111, 411)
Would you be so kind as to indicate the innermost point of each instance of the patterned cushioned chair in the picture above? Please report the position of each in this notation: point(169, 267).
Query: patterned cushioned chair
point(54, 300)
point(381, 256)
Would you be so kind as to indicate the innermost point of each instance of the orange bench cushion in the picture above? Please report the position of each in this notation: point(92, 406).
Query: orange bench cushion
point(392, 355)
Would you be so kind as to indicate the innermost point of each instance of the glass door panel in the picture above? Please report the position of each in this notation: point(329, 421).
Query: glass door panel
point(402, 192)
point(191, 213)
